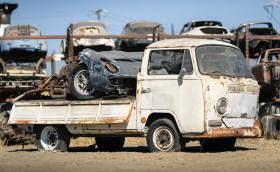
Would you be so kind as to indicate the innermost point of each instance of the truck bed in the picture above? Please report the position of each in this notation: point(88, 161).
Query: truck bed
point(98, 111)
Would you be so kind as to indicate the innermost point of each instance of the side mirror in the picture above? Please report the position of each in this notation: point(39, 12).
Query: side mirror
point(182, 73)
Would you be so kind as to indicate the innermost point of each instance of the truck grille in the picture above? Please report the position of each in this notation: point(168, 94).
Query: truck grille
point(243, 89)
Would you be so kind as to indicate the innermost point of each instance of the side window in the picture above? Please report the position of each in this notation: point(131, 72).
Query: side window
point(168, 62)
point(187, 62)
point(185, 29)
point(126, 29)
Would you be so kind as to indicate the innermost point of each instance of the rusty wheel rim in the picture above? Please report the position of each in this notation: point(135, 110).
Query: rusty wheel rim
point(163, 138)
point(82, 83)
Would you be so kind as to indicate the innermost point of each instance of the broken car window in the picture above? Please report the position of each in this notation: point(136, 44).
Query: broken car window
point(222, 60)
point(272, 56)
point(169, 62)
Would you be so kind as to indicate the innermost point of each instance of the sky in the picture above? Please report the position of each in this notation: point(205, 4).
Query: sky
point(54, 16)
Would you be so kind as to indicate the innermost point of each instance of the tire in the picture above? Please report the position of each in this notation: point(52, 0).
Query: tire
point(163, 136)
point(109, 143)
point(52, 138)
point(218, 144)
point(80, 74)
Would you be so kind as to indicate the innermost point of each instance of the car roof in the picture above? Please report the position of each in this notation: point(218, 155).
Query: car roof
point(142, 22)
point(255, 22)
point(186, 42)
point(84, 23)
point(11, 26)
point(193, 21)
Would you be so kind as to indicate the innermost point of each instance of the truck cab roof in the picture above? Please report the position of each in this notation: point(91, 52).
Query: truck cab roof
point(175, 43)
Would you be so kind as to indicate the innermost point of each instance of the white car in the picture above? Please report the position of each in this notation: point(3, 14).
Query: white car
point(89, 28)
point(205, 27)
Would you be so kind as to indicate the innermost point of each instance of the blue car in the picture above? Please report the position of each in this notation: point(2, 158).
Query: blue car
point(23, 50)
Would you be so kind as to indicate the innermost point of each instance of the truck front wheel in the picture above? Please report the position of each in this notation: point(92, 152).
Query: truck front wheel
point(52, 138)
point(163, 136)
point(109, 143)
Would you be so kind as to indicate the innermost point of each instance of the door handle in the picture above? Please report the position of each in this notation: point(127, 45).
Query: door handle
point(148, 90)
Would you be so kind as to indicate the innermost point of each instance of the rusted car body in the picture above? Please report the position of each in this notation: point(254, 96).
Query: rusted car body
point(136, 28)
point(112, 71)
point(266, 71)
point(23, 50)
point(261, 29)
point(205, 27)
point(89, 28)
point(269, 116)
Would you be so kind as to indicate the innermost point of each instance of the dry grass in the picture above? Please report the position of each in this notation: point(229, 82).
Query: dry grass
point(82, 141)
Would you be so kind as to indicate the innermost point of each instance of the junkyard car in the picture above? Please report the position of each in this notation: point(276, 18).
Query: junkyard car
point(269, 116)
point(266, 71)
point(261, 29)
point(107, 71)
point(89, 28)
point(23, 50)
point(205, 27)
point(21, 60)
point(136, 28)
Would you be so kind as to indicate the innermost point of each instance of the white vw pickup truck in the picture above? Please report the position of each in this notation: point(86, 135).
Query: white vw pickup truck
point(187, 89)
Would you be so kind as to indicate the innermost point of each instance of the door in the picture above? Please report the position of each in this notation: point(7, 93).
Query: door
point(163, 91)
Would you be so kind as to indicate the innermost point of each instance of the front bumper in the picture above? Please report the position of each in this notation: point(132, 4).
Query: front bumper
point(246, 132)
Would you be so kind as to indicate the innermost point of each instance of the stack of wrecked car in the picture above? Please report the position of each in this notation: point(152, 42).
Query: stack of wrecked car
point(259, 28)
point(21, 60)
point(89, 28)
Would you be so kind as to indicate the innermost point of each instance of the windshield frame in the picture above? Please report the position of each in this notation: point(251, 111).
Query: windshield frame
point(221, 74)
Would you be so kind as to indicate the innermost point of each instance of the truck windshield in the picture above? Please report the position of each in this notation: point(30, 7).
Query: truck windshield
point(222, 61)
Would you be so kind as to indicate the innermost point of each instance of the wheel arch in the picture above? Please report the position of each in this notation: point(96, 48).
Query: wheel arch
point(36, 127)
point(155, 116)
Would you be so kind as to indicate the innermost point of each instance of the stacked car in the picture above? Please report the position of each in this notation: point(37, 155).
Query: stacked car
point(89, 28)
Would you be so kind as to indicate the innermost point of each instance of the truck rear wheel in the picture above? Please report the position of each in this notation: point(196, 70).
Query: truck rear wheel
point(218, 144)
point(79, 83)
point(163, 136)
point(110, 143)
point(52, 138)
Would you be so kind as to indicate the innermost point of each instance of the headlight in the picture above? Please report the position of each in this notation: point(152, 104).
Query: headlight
point(110, 67)
point(222, 106)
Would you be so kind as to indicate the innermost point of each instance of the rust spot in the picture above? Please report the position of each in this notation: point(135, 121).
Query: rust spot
point(8, 100)
point(238, 132)
point(230, 78)
point(23, 122)
point(243, 115)
point(110, 67)
point(222, 84)
point(137, 92)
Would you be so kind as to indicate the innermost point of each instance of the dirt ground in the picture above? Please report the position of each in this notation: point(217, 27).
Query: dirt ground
point(248, 155)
